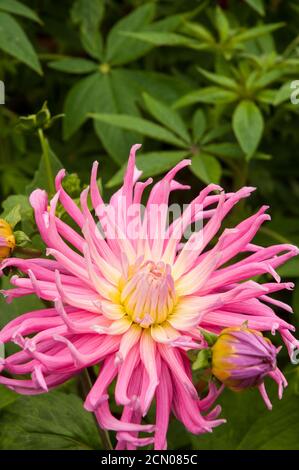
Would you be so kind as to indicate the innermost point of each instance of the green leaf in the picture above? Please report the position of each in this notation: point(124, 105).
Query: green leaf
point(21, 238)
point(121, 50)
point(216, 133)
point(21, 202)
point(225, 149)
point(248, 125)
point(88, 14)
point(151, 164)
point(283, 94)
point(161, 38)
point(199, 124)
point(140, 125)
point(222, 24)
point(73, 65)
point(197, 31)
point(115, 96)
point(14, 41)
point(40, 179)
point(18, 8)
point(81, 99)
point(7, 397)
point(203, 360)
point(221, 80)
point(211, 95)
point(210, 338)
point(48, 422)
point(20, 305)
point(13, 217)
point(257, 31)
point(266, 96)
point(257, 5)
point(166, 116)
point(163, 87)
point(206, 168)
point(269, 77)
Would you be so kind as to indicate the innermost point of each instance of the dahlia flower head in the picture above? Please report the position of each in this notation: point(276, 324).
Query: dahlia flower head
point(134, 296)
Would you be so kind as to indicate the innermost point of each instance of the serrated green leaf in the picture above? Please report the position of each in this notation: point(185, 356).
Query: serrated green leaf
point(14, 41)
point(18, 8)
point(166, 116)
point(206, 168)
point(46, 422)
point(74, 65)
point(248, 125)
point(140, 125)
point(151, 164)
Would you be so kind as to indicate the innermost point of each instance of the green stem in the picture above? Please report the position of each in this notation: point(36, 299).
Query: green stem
point(46, 156)
point(86, 385)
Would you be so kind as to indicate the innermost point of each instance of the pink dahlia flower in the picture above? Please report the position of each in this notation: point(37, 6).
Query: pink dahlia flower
point(129, 294)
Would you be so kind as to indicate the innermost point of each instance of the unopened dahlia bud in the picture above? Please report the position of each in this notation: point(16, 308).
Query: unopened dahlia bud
point(242, 357)
point(7, 239)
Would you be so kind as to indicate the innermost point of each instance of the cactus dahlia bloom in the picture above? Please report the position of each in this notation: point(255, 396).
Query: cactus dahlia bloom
point(137, 304)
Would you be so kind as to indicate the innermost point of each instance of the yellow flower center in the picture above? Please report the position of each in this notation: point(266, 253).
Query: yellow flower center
point(148, 294)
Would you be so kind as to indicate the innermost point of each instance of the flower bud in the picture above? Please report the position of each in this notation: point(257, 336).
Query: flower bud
point(242, 357)
point(7, 239)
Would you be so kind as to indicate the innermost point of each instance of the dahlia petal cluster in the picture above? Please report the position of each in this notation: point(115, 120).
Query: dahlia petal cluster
point(242, 358)
point(135, 305)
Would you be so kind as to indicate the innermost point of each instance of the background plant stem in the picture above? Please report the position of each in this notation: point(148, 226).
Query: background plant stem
point(45, 149)
point(86, 385)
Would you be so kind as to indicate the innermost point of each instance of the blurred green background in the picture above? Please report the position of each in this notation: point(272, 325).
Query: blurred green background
point(207, 80)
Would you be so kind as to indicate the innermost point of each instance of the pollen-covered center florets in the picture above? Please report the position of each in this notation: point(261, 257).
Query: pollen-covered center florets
point(148, 294)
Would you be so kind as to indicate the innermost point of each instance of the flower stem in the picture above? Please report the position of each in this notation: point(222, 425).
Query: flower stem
point(86, 385)
point(46, 156)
